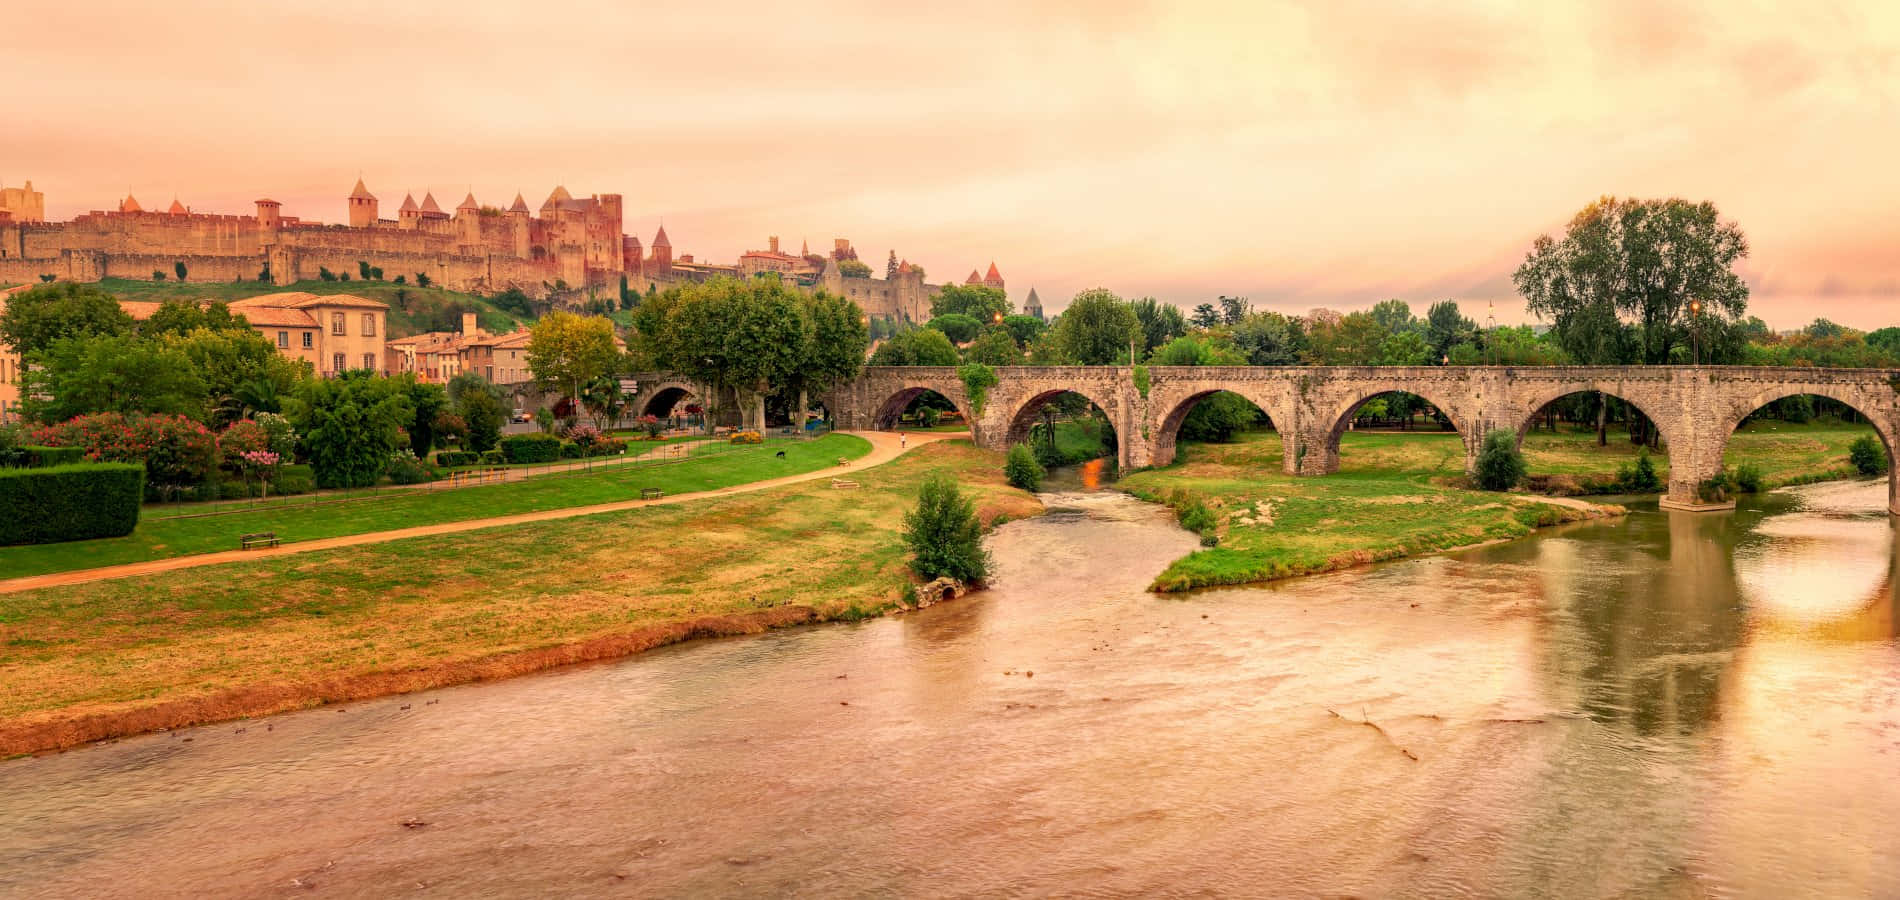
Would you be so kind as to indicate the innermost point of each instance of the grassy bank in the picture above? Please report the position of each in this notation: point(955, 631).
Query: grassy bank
point(162, 538)
point(1391, 497)
point(113, 657)
point(1569, 461)
point(410, 312)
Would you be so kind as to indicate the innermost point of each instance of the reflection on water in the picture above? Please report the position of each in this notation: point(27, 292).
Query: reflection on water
point(1671, 704)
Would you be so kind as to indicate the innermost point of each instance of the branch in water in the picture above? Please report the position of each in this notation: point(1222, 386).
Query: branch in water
point(1367, 721)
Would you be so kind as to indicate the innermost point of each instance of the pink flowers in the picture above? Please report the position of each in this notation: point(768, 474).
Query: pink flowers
point(259, 459)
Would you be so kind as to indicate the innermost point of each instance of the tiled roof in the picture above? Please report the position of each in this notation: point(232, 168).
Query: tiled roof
point(659, 240)
point(428, 203)
point(130, 204)
point(361, 192)
point(408, 203)
point(560, 196)
point(520, 204)
point(178, 209)
point(276, 317)
point(303, 300)
point(468, 202)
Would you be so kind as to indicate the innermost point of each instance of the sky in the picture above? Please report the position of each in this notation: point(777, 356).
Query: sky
point(1301, 155)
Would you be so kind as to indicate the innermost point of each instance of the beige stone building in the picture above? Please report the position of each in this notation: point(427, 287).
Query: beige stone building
point(9, 369)
point(22, 204)
point(334, 332)
point(437, 356)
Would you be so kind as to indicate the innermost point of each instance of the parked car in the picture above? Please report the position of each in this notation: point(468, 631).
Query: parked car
point(522, 416)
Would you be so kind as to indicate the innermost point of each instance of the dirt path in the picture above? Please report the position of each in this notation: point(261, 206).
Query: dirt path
point(885, 446)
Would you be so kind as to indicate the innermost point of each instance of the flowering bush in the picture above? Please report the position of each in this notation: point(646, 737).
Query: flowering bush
point(405, 468)
point(450, 428)
point(607, 447)
point(584, 434)
point(176, 451)
point(747, 437)
point(283, 438)
point(651, 424)
point(243, 437)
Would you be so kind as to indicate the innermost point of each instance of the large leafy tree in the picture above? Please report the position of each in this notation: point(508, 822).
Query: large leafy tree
point(834, 352)
point(1394, 316)
point(180, 317)
point(1620, 284)
point(958, 327)
point(241, 370)
point(747, 335)
point(566, 351)
point(37, 317)
point(1159, 323)
point(984, 304)
point(481, 406)
point(1349, 340)
point(1096, 329)
point(918, 347)
point(426, 401)
point(111, 373)
point(994, 348)
point(1270, 339)
point(351, 425)
point(1446, 327)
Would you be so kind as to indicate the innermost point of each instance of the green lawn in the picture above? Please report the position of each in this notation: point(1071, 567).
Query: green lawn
point(161, 538)
point(1392, 496)
point(407, 315)
point(1785, 453)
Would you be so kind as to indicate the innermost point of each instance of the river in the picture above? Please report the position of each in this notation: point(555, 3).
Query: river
point(1666, 705)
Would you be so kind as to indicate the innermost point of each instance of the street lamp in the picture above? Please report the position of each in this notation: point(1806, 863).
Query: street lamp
point(1695, 329)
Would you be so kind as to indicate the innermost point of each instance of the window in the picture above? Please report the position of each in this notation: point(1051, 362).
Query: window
point(339, 363)
point(369, 361)
point(283, 340)
point(308, 337)
point(336, 324)
point(490, 375)
point(369, 324)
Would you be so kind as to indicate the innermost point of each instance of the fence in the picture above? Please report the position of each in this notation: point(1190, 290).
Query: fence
point(639, 455)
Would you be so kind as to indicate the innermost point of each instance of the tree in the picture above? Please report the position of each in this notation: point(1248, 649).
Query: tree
point(179, 268)
point(1500, 464)
point(748, 335)
point(982, 303)
point(1197, 350)
point(1233, 309)
point(852, 268)
point(1867, 455)
point(834, 353)
point(994, 348)
point(158, 274)
point(1618, 287)
point(1022, 469)
point(119, 373)
point(1159, 323)
point(426, 403)
point(1270, 339)
point(603, 401)
point(481, 406)
point(566, 351)
point(959, 328)
point(1096, 329)
point(422, 279)
point(1405, 348)
point(376, 272)
point(1205, 316)
point(1823, 328)
point(1394, 316)
point(1218, 418)
point(918, 347)
point(324, 273)
point(1446, 326)
point(362, 269)
point(230, 360)
point(1023, 329)
point(944, 536)
point(351, 426)
point(40, 315)
point(1350, 340)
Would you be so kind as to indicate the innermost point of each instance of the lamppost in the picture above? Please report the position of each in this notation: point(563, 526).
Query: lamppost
point(1695, 329)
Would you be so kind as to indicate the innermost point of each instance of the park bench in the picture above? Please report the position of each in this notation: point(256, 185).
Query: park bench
point(651, 493)
point(843, 484)
point(257, 539)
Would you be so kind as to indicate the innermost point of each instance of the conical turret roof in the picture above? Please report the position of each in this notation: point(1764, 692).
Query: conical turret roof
point(1033, 299)
point(130, 204)
point(428, 203)
point(557, 198)
point(408, 203)
point(993, 275)
point(361, 192)
point(520, 205)
point(469, 203)
point(659, 240)
point(974, 278)
point(177, 208)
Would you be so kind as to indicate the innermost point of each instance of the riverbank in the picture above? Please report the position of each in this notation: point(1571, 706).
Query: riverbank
point(1392, 497)
point(110, 658)
point(1569, 462)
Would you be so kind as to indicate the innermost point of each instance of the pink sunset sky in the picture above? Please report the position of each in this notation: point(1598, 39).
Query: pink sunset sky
point(1331, 154)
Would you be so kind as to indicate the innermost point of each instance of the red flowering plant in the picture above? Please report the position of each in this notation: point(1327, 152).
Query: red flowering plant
point(244, 436)
point(176, 451)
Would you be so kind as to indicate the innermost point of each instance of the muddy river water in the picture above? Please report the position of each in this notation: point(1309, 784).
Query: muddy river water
point(1670, 705)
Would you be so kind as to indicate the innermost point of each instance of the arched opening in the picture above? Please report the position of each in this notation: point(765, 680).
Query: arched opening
point(1396, 429)
point(1064, 428)
point(1795, 438)
point(920, 409)
point(1593, 442)
point(1244, 430)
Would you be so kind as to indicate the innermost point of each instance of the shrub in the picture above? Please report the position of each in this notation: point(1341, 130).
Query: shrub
point(244, 436)
point(1868, 457)
point(294, 480)
point(1021, 469)
point(405, 468)
point(943, 534)
point(607, 447)
point(1715, 488)
point(1641, 479)
point(531, 448)
point(493, 458)
point(1194, 516)
point(176, 451)
point(47, 457)
point(748, 437)
point(651, 424)
point(571, 450)
point(283, 438)
point(1748, 478)
point(70, 502)
point(584, 434)
point(1500, 463)
point(450, 428)
point(457, 458)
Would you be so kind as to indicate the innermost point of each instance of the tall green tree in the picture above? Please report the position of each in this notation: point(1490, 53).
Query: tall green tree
point(1394, 316)
point(994, 348)
point(481, 405)
point(984, 304)
point(351, 426)
point(944, 535)
point(958, 327)
point(1270, 339)
point(834, 351)
point(1159, 323)
point(426, 401)
point(917, 347)
point(566, 351)
point(1445, 326)
point(1204, 316)
point(40, 315)
point(747, 335)
point(1096, 329)
point(120, 373)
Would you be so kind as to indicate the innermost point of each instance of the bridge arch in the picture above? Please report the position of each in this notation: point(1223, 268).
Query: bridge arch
point(661, 399)
point(1175, 410)
point(894, 404)
point(1323, 455)
point(1023, 416)
point(1527, 412)
point(1741, 409)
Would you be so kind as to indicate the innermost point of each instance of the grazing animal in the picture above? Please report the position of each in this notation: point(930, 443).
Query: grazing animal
point(781, 454)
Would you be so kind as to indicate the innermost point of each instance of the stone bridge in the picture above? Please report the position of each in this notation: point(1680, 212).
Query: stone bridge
point(1695, 408)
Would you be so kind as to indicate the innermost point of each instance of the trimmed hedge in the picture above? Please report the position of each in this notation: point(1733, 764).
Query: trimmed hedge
point(47, 457)
point(70, 503)
point(493, 458)
point(531, 448)
point(457, 457)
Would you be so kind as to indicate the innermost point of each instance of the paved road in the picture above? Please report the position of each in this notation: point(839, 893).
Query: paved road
point(885, 447)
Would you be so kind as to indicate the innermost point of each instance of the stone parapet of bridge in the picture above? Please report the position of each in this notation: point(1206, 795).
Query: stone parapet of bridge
point(1694, 408)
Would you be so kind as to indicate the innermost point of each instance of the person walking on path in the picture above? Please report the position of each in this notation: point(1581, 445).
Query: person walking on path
point(903, 440)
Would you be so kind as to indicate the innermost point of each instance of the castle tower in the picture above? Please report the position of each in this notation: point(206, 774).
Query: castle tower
point(974, 278)
point(406, 217)
point(362, 207)
point(24, 204)
point(994, 278)
point(130, 205)
point(662, 252)
point(468, 219)
point(1033, 305)
point(551, 207)
point(268, 219)
point(772, 242)
point(519, 209)
point(633, 256)
point(177, 208)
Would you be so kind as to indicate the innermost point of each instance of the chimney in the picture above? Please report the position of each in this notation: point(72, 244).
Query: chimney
point(469, 328)
point(773, 240)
